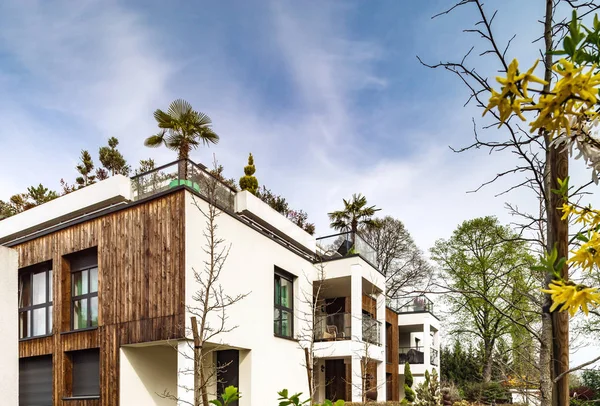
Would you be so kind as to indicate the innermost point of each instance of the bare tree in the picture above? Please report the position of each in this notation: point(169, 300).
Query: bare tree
point(208, 317)
point(398, 257)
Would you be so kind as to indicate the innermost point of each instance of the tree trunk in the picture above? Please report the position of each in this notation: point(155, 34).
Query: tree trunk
point(557, 167)
point(546, 361)
point(487, 367)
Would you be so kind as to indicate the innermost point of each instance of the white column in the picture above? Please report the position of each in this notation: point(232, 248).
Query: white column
point(356, 378)
point(245, 385)
point(381, 381)
point(356, 325)
point(185, 373)
point(356, 302)
point(9, 342)
point(426, 345)
point(436, 345)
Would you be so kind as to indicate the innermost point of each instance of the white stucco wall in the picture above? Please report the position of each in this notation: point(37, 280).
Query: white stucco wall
point(9, 356)
point(272, 363)
point(146, 372)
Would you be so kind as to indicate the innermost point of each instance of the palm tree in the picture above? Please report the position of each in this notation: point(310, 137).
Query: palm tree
point(182, 129)
point(355, 214)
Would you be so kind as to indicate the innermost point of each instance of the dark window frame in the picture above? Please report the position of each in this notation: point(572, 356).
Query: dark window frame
point(30, 271)
point(278, 331)
point(75, 386)
point(87, 297)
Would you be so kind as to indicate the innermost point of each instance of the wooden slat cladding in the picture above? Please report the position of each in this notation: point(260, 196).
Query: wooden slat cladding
point(392, 350)
point(141, 259)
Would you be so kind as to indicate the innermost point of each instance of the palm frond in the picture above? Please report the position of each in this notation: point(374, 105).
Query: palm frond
point(155, 141)
point(179, 108)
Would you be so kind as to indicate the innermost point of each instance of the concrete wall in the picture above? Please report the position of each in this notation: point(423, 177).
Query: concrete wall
point(146, 372)
point(272, 363)
point(9, 356)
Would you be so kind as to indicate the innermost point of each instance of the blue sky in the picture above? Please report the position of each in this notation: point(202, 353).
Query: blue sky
point(327, 95)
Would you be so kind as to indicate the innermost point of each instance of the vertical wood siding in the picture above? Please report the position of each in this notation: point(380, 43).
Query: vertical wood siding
point(141, 291)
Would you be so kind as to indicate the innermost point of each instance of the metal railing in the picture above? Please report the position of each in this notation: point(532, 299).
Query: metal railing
point(371, 330)
point(414, 304)
point(412, 355)
point(433, 355)
point(344, 244)
point(183, 172)
point(333, 327)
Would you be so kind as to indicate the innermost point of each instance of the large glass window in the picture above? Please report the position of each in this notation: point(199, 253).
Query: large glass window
point(284, 304)
point(35, 301)
point(84, 292)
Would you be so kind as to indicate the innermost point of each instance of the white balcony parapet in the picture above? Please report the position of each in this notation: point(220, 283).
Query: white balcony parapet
point(114, 190)
point(251, 206)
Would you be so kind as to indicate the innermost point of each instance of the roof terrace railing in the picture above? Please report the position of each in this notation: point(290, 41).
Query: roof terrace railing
point(345, 244)
point(183, 172)
point(413, 304)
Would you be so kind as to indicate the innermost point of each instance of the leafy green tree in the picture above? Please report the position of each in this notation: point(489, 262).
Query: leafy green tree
point(230, 395)
point(481, 265)
point(112, 159)
point(182, 129)
point(591, 379)
point(409, 394)
point(355, 214)
point(85, 169)
point(248, 181)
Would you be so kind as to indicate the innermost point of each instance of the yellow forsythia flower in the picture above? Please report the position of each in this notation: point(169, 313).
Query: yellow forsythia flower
point(572, 296)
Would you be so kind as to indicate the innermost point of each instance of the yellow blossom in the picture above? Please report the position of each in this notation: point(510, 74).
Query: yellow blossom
point(572, 296)
point(588, 254)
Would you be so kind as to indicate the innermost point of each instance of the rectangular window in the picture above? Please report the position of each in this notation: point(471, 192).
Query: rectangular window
point(35, 300)
point(283, 316)
point(84, 289)
point(86, 372)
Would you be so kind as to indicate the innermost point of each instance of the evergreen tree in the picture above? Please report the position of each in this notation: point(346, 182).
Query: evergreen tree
point(112, 160)
point(248, 181)
point(40, 194)
point(409, 394)
point(85, 168)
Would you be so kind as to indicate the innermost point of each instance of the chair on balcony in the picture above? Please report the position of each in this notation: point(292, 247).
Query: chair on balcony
point(331, 333)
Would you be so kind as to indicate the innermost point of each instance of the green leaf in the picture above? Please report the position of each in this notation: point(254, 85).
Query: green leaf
point(557, 52)
point(339, 402)
point(582, 237)
point(216, 403)
point(569, 46)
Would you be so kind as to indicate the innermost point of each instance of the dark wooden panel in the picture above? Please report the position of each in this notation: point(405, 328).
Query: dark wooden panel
point(141, 282)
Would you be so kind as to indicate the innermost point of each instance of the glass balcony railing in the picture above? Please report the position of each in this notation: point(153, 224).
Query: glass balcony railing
point(371, 330)
point(345, 244)
point(433, 356)
point(412, 355)
point(183, 172)
point(418, 304)
point(333, 327)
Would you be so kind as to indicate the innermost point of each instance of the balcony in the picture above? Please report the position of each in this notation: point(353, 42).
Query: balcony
point(333, 327)
point(371, 330)
point(417, 304)
point(183, 172)
point(346, 244)
point(433, 355)
point(412, 355)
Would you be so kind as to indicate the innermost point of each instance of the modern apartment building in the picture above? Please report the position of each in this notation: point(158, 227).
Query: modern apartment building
point(104, 278)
